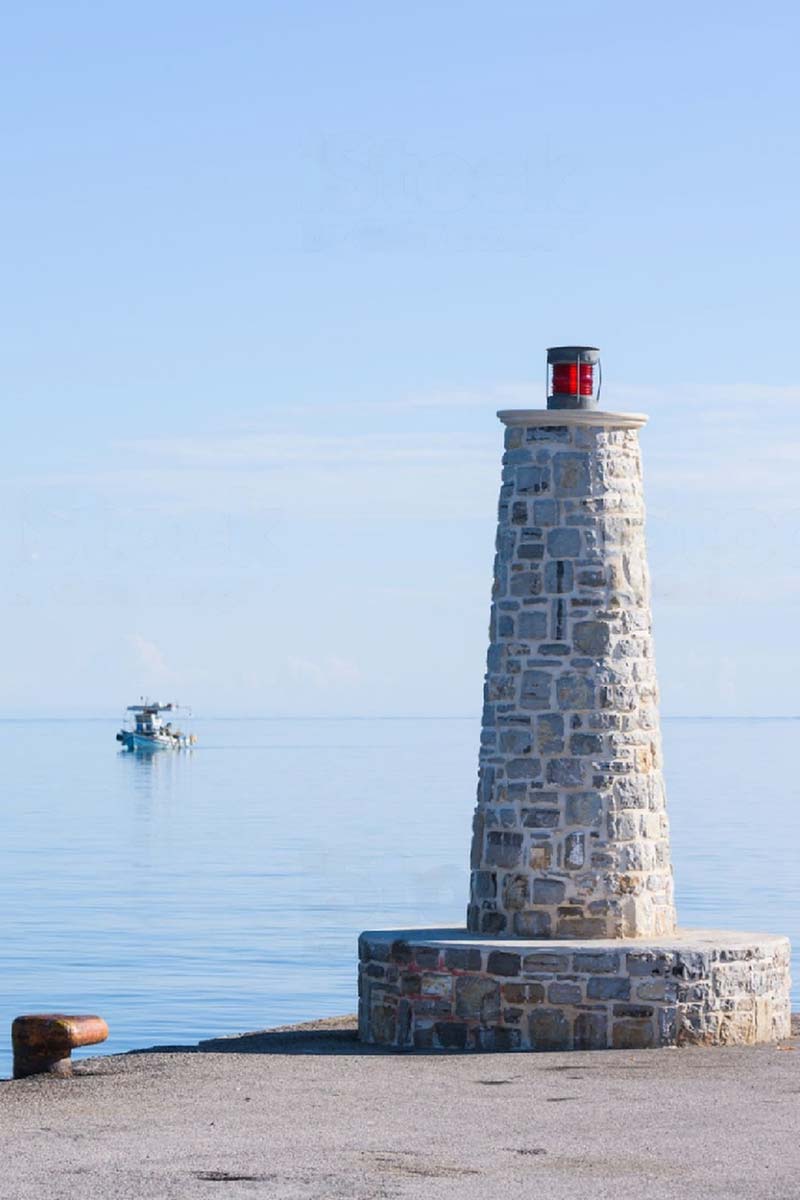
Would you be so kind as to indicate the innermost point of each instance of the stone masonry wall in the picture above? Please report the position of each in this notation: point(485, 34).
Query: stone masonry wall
point(452, 994)
point(570, 832)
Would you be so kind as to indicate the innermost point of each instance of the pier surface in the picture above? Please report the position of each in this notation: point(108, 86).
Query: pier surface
point(307, 1112)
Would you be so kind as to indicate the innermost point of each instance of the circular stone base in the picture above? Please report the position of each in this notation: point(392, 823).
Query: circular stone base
point(446, 989)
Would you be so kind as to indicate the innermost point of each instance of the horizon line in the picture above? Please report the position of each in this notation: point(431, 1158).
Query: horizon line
point(388, 717)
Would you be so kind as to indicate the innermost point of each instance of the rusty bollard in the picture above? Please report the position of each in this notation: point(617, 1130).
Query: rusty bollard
point(43, 1042)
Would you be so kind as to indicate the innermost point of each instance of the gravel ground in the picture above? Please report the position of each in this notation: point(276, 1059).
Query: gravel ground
point(307, 1112)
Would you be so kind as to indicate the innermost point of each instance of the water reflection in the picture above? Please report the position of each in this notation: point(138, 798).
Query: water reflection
point(154, 769)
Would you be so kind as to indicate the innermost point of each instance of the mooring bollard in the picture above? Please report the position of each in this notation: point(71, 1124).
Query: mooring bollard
point(43, 1042)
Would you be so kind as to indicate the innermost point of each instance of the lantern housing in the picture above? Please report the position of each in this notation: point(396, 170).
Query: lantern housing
point(573, 377)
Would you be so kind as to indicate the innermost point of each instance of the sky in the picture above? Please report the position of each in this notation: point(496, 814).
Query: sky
point(271, 268)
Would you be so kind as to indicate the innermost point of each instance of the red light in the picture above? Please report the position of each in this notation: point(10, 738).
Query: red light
point(565, 379)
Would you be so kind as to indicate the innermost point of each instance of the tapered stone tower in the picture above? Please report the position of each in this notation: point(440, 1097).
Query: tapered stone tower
point(571, 940)
point(570, 833)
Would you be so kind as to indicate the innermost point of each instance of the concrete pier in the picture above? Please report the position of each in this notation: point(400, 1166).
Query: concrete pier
point(311, 1113)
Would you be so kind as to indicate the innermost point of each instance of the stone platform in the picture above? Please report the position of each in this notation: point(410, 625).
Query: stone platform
point(447, 989)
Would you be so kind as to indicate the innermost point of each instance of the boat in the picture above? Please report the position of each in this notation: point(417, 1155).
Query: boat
point(146, 730)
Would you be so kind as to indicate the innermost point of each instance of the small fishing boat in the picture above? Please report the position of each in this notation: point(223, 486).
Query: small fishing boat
point(146, 730)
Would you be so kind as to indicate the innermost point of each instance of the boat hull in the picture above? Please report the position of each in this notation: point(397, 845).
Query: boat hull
point(138, 741)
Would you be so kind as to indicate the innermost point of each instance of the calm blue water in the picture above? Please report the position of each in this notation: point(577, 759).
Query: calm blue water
point(184, 896)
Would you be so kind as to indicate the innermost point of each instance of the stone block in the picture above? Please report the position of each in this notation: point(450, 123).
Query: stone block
point(564, 543)
point(366, 954)
point(383, 1024)
point(574, 851)
point(540, 856)
point(450, 1035)
point(478, 830)
point(545, 512)
point(433, 1006)
point(526, 583)
point(549, 1029)
point(516, 891)
point(591, 1030)
point(623, 826)
point(570, 474)
point(503, 818)
point(585, 743)
point(503, 849)
point(401, 951)
point(492, 922)
point(547, 433)
point(558, 610)
point(564, 993)
point(548, 891)
point(501, 962)
point(592, 638)
point(566, 772)
point(594, 962)
point(591, 578)
point(575, 925)
point(501, 687)
point(516, 741)
point(667, 1032)
point(649, 962)
point(436, 985)
point(498, 1038)
point(558, 576)
point(550, 733)
point(524, 993)
point(485, 885)
point(534, 480)
point(545, 962)
point(629, 1034)
point(576, 692)
point(524, 768)
point(639, 1012)
point(466, 959)
point(532, 625)
point(584, 808)
point(540, 818)
point(536, 690)
point(603, 987)
point(478, 998)
point(533, 924)
point(653, 989)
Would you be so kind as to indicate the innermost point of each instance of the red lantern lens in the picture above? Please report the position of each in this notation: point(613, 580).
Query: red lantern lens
point(565, 379)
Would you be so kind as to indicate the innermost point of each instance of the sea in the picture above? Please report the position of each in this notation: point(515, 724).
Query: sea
point(189, 895)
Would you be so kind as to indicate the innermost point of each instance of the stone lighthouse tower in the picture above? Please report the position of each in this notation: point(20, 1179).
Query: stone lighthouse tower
point(570, 834)
point(571, 939)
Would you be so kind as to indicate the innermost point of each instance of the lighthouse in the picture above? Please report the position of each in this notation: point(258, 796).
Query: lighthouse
point(571, 939)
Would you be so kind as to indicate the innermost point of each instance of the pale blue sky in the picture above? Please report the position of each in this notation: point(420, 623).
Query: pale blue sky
point(270, 269)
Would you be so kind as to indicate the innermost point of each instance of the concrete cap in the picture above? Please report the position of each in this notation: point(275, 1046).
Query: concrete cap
point(571, 416)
